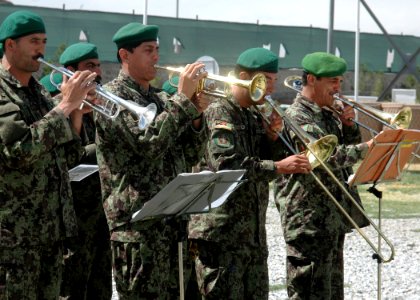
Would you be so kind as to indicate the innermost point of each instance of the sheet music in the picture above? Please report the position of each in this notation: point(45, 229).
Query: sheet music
point(191, 193)
point(387, 157)
point(80, 172)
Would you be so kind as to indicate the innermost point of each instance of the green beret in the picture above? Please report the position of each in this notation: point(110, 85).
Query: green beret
point(172, 86)
point(322, 64)
point(135, 33)
point(1, 50)
point(21, 23)
point(259, 59)
point(78, 52)
point(46, 82)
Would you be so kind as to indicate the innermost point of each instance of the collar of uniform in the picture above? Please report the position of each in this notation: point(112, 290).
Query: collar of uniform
point(131, 83)
point(234, 101)
point(309, 104)
point(7, 76)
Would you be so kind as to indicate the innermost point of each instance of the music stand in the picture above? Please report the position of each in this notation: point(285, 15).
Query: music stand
point(190, 193)
point(385, 161)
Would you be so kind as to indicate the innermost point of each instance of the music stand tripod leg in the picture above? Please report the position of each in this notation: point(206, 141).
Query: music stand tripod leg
point(378, 194)
point(181, 271)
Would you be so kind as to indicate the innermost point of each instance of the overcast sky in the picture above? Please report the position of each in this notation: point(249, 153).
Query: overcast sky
point(397, 16)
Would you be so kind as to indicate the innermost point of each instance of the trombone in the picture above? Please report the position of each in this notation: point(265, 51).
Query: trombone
point(256, 86)
point(112, 104)
point(323, 147)
point(320, 154)
point(400, 120)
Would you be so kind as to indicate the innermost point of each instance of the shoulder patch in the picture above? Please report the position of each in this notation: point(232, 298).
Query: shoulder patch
point(223, 139)
point(218, 124)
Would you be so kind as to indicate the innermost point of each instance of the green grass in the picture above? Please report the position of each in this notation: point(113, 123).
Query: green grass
point(400, 199)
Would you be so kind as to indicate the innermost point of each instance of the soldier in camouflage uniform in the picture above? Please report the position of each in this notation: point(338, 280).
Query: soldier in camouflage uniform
point(230, 241)
point(87, 270)
point(314, 229)
point(36, 144)
point(135, 164)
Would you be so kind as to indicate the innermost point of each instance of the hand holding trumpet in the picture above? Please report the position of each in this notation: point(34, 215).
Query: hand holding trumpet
point(75, 89)
point(189, 79)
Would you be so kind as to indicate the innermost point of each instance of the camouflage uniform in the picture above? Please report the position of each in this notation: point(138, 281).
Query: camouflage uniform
point(230, 241)
point(134, 166)
point(314, 228)
point(36, 206)
point(87, 270)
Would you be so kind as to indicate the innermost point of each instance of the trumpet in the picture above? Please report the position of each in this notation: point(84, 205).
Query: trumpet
point(378, 255)
point(400, 120)
point(111, 105)
point(256, 86)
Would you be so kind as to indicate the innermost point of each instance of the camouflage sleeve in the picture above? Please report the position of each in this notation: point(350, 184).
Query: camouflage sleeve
point(350, 152)
point(160, 135)
point(24, 144)
point(352, 135)
point(193, 142)
point(222, 152)
point(226, 147)
point(344, 155)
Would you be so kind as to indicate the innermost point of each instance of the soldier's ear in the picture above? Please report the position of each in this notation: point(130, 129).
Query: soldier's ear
point(123, 53)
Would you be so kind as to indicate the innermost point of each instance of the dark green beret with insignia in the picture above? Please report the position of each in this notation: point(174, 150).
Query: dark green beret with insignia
point(322, 64)
point(170, 86)
point(78, 52)
point(135, 33)
point(21, 23)
point(46, 82)
point(259, 59)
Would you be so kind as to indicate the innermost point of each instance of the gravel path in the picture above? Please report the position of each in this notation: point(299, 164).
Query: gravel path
point(400, 277)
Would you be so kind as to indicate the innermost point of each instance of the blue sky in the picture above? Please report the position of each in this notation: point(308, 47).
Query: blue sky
point(397, 17)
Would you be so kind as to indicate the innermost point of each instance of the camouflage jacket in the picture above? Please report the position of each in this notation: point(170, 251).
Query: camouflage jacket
point(237, 140)
point(36, 144)
point(136, 164)
point(87, 135)
point(305, 207)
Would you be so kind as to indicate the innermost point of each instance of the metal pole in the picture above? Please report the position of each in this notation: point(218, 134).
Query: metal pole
point(330, 28)
point(145, 13)
point(177, 9)
point(357, 54)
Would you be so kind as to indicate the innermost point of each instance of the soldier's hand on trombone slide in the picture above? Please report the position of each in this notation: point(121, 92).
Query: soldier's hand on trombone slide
point(347, 114)
point(297, 163)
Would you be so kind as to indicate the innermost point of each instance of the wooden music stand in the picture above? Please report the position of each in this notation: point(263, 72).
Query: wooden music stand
point(385, 161)
point(387, 157)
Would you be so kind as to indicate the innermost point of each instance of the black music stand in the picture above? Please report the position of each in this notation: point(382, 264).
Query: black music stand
point(385, 161)
point(190, 193)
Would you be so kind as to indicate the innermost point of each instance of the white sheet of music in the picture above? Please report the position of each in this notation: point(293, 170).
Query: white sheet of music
point(80, 172)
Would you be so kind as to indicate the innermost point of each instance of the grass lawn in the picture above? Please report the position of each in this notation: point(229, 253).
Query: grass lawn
point(400, 199)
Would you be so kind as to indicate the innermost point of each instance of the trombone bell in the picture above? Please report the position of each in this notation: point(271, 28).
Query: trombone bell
point(403, 118)
point(323, 149)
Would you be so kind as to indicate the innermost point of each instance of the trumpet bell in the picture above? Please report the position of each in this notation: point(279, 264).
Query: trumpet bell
point(146, 114)
point(256, 86)
point(322, 148)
